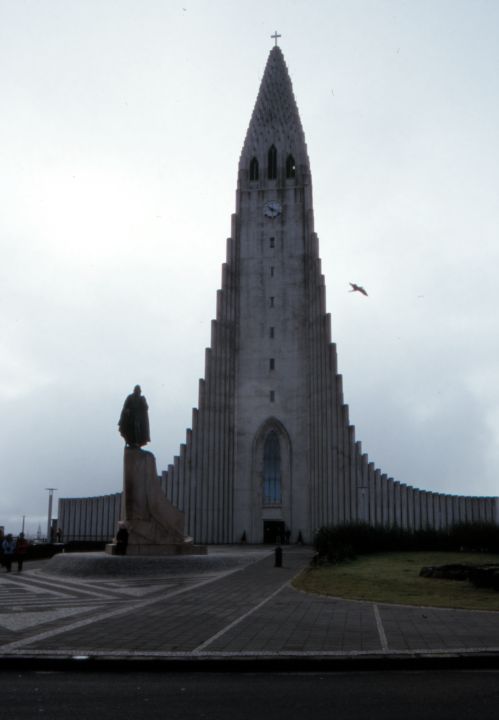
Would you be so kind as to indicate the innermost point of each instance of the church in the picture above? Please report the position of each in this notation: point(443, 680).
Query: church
point(271, 454)
point(271, 450)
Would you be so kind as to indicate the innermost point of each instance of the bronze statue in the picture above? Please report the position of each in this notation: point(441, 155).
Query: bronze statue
point(134, 420)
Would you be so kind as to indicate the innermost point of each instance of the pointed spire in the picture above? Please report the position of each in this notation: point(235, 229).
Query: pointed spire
point(275, 119)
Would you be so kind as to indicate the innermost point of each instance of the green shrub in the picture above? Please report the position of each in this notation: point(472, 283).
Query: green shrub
point(481, 537)
point(336, 543)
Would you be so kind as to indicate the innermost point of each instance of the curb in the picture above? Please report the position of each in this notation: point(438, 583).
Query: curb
point(239, 663)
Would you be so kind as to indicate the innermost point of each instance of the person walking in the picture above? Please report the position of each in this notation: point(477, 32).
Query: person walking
point(9, 548)
point(21, 550)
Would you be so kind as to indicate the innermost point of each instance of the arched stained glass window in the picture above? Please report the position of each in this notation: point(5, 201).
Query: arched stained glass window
point(254, 169)
point(272, 163)
point(272, 470)
point(290, 167)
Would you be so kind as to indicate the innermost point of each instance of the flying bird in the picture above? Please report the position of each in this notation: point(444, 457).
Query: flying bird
point(357, 288)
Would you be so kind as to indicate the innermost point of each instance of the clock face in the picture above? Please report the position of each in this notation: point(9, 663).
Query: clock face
point(272, 209)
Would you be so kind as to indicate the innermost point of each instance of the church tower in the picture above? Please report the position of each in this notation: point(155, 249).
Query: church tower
point(274, 364)
point(271, 451)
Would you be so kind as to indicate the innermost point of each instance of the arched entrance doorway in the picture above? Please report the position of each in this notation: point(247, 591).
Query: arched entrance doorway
point(271, 483)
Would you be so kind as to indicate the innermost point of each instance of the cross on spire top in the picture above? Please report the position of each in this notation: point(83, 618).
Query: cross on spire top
point(275, 36)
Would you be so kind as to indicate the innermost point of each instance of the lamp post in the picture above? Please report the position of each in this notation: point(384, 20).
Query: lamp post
point(49, 522)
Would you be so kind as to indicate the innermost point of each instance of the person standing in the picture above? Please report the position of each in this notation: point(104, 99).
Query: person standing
point(9, 548)
point(21, 550)
point(121, 538)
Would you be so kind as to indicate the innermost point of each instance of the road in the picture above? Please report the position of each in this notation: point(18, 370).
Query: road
point(407, 695)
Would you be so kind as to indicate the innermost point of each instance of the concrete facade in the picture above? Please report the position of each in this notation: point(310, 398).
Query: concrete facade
point(271, 448)
point(89, 519)
point(272, 368)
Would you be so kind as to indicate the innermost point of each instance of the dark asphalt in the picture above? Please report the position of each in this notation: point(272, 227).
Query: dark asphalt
point(442, 695)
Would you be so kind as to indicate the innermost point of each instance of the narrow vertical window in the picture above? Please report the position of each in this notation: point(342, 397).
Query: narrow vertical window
point(271, 364)
point(272, 396)
point(272, 163)
point(272, 242)
point(254, 169)
point(271, 271)
point(290, 167)
point(272, 494)
point(271, 302)
point(271, 332)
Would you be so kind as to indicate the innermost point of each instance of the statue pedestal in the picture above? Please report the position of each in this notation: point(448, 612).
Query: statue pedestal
point(155, 526)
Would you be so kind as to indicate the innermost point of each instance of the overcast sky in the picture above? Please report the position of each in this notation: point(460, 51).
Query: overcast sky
point(121, 126)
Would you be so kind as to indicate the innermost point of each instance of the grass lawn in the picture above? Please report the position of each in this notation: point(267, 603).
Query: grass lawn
point(394, 578)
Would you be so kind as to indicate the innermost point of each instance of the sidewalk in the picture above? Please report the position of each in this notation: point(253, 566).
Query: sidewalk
point(233, 606)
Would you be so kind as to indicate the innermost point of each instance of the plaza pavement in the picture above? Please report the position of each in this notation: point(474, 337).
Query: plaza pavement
point(232, 605)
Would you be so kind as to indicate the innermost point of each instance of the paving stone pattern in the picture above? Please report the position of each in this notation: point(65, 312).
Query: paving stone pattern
point(247, 610)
